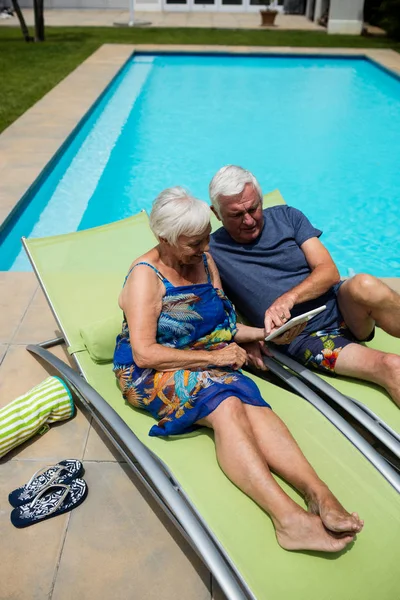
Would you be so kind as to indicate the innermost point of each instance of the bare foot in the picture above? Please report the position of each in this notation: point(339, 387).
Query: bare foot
point(333, 515)
point(304, 531)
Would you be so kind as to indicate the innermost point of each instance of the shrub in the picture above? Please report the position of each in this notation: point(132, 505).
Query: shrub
point(390, 10)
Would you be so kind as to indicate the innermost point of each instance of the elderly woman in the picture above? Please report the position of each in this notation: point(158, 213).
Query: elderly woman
point(178, 358)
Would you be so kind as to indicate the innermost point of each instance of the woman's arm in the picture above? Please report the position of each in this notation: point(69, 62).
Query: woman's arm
point(246, 334)
point(141, 301)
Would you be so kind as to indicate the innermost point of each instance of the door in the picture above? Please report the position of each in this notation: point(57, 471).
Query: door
point(205, 5)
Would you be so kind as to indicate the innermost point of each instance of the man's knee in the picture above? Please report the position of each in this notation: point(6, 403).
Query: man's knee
point(390, 365)
point(367, 289)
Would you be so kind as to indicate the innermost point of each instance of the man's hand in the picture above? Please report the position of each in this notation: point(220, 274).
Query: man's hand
point(279, 312)
point(255, 351)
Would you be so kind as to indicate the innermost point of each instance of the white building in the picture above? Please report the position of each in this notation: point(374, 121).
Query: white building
point(345, 16)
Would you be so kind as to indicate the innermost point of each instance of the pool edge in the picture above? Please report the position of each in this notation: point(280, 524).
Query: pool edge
point(41, 134)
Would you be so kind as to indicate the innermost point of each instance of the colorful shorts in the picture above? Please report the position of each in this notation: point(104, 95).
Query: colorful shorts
point(320, 349)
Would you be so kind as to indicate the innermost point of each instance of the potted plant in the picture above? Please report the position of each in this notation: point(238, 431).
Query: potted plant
point(268, 13)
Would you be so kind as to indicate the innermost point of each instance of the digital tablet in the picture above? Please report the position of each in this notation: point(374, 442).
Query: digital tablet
point(295, 321)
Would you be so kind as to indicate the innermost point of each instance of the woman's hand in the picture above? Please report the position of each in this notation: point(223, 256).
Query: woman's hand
point(231, 356)
point(255, 351)
point(289, 335)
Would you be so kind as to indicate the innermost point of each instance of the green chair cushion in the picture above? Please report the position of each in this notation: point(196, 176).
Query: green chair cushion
point(99, 338)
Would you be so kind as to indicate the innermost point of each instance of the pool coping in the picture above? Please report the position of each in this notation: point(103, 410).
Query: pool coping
point(29, 146)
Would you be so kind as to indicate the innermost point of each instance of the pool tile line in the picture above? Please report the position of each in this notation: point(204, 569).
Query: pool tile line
point(386, 69)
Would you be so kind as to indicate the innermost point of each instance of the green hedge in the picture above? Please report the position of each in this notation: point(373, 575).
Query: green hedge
point(390, 10)
point(372, 12)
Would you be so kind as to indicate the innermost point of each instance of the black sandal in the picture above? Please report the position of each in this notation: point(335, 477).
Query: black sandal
point(53, 500)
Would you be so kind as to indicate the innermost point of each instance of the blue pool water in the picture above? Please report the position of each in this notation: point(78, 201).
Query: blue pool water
point(324, 131)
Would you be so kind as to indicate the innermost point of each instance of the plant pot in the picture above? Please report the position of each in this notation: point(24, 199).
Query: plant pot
point(268, 17)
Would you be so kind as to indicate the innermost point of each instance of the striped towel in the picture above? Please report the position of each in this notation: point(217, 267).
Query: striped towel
point(48, 402)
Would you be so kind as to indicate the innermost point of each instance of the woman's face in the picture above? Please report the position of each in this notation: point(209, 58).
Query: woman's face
point(189, 250)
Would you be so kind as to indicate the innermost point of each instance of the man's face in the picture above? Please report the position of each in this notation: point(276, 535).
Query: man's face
point(242, 215)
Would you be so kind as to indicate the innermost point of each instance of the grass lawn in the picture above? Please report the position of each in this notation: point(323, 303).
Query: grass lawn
point(28, 71)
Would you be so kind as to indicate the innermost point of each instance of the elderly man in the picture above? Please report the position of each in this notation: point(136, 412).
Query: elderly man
point(274, 267)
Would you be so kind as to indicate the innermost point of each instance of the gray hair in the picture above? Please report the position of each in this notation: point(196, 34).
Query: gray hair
point(175, 212)
point(230, 181)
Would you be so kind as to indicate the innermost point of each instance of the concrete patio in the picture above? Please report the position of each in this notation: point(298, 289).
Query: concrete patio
point(118, 544)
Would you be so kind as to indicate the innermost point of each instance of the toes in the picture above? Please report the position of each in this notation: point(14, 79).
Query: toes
point(342, 524)
point(357, 517)
point(349, 539)
point(359, 522)
point(340, 535)
point(343, 542)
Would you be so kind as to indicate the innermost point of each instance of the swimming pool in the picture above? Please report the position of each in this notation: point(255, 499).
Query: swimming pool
point(324, 131)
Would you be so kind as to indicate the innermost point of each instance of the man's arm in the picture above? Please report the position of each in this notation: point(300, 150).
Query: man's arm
point(324, 275)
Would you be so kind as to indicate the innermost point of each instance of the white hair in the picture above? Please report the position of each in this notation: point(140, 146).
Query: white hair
point(230, 181)
point(175, 212)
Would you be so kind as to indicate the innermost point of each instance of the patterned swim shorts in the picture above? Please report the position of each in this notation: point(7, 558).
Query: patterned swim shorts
point(320, 349)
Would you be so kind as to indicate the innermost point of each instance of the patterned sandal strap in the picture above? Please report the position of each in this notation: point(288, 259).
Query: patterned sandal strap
point(58, 468)
point(59, 501)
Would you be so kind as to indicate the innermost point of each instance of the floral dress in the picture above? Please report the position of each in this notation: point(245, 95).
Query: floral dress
point(193, 317)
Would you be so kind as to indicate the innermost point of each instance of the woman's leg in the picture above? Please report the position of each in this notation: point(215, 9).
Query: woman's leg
point(285, 458)
point(243, 462)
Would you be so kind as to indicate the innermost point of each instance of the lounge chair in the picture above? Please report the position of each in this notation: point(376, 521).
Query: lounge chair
point(81, 274)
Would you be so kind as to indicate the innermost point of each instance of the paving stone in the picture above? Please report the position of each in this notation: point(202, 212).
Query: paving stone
point(16, 292)
point(25, 158)
point(393, 282)
point(118, 547)
point(37, 325)
point(3, 350)
point(29, 556)
point(99, 448)
point(20, 371)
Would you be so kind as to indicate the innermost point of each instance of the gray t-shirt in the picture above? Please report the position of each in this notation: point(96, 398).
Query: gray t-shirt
point(254, 275)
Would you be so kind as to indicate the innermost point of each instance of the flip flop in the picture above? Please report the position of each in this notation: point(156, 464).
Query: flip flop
point(54, 500)
point(63, 472)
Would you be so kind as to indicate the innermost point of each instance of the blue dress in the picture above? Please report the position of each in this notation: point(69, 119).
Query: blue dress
point(193, 317)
